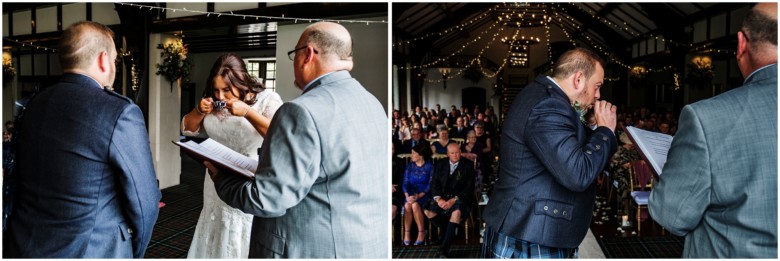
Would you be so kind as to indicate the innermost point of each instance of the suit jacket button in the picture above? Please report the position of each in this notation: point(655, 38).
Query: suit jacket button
point(129, 230)
point(555, 211)
point(589, 152)
point(545, 208)
point(564, 213)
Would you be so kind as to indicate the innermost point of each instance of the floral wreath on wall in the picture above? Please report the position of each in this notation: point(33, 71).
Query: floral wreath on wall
point(700, 72)
point(9, 71)
point(175, 64)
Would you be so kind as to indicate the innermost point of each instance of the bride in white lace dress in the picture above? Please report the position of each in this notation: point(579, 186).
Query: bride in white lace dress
point(223, 231)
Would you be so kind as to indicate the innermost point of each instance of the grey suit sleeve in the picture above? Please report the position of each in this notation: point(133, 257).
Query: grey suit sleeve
point(130, 153)
point(289, 166)
point(680, 197)
point(552, 137)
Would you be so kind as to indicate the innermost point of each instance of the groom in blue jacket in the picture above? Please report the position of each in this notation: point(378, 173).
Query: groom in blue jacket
point(87, 187)
point(542, 202)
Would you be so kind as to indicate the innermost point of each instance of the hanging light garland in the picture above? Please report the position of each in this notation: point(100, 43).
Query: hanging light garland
point(256, 17)
point(560, 19)
point(47, 49)
point(463, 47)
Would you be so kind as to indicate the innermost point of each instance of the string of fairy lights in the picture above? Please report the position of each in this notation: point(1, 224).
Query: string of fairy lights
point(37, 47)
point(462, 48)
point(560, 19)
point(209, 14)
point(478, 58)
point(256, 17)
point(626, 29)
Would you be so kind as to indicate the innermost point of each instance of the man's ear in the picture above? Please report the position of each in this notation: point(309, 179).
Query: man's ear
point(309, 54)
point(103, 63)
point(578, 80)
point(742, 44)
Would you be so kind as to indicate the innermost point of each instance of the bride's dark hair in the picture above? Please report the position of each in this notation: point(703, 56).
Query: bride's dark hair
point(233, 70)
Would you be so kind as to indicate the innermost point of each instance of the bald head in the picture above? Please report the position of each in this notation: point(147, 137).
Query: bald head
point(757, 45)
point(332, 41)
point(453, 152)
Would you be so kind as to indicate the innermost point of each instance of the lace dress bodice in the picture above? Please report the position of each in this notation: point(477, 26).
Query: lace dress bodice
point(223, 231)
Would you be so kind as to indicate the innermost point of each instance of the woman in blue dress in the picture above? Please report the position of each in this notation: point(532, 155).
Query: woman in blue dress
point(417, 181)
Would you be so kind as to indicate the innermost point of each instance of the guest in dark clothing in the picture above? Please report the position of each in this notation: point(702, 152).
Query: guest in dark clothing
point(417, 138)
point(483, 138)
point(452, 188)
point(460, 129)
point(472, 150)
point(440, 146)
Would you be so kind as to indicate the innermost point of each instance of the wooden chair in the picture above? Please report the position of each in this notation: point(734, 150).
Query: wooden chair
point(640, 195)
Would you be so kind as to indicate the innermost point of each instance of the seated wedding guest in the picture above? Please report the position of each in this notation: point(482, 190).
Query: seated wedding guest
point(483, 138)
point(404, 130)
point(416, 186)
point(440, 146)
point(619, 169)
point(426, 127)
point(416, 139)
point(454, 113)
point(460, 129)
point(718, 187)
point(9, 125)
point(490, 115)
point(473, 151)
point(396, 117)
point(490, 128)
point(664, 128)
point(223, 231)
point(452, 189)
point(86, 183)
point(446, 122)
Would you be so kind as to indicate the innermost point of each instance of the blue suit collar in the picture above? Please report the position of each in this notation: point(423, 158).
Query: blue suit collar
point(552, 86)
point(80, 79)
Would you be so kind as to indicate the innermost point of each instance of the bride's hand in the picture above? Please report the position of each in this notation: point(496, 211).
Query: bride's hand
point(238, 108)
point(206, 106)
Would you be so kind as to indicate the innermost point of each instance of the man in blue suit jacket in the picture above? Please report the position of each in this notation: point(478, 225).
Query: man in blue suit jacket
point(87, 186)
point(718, 187)
point(542, 203)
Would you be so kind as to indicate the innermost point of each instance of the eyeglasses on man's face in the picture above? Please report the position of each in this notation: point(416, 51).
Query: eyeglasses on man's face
point(291, 54)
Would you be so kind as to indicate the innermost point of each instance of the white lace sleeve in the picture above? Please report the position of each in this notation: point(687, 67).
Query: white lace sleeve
point(272, 103)
point(187, 133)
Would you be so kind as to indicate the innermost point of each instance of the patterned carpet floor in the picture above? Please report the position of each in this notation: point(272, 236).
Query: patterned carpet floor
point(456, 251)
point(175, 225)
point(643, 247)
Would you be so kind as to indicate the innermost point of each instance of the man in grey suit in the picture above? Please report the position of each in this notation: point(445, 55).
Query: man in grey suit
point(320, 190)
point(718, 187)
point(87, 187)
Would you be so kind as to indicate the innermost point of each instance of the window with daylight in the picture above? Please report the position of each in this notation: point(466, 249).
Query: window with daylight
point(263, 69)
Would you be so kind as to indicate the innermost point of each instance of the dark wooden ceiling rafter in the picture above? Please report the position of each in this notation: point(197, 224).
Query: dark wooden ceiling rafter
point(634, 22)
point(588, 22)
